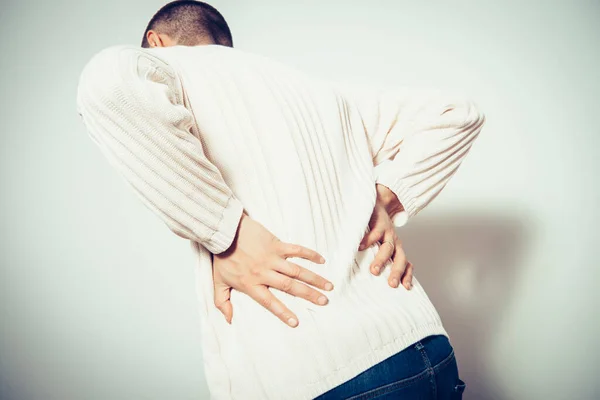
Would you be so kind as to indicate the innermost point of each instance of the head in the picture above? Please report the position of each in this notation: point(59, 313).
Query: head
point(187, 23)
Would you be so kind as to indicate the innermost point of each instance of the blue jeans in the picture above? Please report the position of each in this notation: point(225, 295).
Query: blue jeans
point(426, 370)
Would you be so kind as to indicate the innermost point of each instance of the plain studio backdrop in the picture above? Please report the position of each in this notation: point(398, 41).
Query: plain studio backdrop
point(97, 299)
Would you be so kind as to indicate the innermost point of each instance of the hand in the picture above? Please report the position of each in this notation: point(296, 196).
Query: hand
point(382, 229)
point(257, 259)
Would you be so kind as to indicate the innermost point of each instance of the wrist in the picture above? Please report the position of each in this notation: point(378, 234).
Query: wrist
point(388, 199)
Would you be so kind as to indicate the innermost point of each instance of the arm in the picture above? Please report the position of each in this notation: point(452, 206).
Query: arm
point(133, 108)
point(418, 139)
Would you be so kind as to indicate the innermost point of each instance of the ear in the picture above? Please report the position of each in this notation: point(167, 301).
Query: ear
point(153, 39)
point(156, 39)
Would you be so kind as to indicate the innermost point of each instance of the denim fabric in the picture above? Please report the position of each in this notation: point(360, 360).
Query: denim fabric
point(426, 370)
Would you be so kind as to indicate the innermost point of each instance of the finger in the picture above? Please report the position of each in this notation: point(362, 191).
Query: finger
point(408, 276)
point(265, 298)
point(372, 225)
point(222, 302)
point(398, 266)
point(295, 250)
point(371, 237)
point(386, 250)
point(361, 245)
point(289, 285)
point(295, 271)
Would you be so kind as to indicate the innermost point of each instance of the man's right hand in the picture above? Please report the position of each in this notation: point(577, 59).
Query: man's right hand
point(256, 260)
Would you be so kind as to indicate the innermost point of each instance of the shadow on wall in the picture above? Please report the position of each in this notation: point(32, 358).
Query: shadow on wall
point(467, 262)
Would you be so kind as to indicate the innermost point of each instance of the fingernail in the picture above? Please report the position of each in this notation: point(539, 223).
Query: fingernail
point(376, 269)
point(322, 300)
point(328, 286)
point(394, 282)
point(361, 247)
point(292, 322)
point(322, 259)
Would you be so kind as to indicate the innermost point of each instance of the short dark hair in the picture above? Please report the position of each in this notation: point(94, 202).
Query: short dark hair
point(189, 21)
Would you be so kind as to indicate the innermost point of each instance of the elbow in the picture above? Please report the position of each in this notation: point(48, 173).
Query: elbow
point(463, 113)
point(476, 116)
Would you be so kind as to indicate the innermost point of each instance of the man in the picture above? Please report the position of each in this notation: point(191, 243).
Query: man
point(185, 23)
point(215, 139)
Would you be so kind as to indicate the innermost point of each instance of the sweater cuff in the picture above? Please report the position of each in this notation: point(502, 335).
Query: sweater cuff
point(401, 189)
point(223, 236)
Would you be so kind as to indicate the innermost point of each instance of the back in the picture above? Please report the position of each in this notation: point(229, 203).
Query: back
point(291, 148)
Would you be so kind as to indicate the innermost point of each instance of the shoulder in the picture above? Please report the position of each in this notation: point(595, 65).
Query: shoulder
point(122, 70)
point(121, 60)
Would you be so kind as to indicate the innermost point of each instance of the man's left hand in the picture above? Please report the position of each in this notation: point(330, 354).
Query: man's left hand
point(382, 229)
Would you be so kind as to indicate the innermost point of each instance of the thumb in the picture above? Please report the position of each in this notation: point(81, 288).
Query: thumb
point(222, 295)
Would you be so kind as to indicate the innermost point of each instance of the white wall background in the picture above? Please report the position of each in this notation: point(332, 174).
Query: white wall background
point(96, 295)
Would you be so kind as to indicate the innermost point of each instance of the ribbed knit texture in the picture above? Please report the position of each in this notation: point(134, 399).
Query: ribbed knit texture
point(203, 132)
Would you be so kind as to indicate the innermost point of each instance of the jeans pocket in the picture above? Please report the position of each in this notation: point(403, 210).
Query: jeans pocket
point(458, 390)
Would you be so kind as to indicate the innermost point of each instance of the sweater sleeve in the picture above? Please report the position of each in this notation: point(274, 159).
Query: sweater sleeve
point(418, 139)
point(132, 105)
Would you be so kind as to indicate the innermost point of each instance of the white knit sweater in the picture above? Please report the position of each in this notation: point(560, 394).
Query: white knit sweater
point(202, 133)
